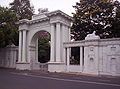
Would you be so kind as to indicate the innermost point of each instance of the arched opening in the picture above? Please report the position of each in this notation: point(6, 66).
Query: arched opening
point(43, 47)
point(40, 50)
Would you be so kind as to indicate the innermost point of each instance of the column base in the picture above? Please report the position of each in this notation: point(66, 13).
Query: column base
point(56, 67)
point(23, 66)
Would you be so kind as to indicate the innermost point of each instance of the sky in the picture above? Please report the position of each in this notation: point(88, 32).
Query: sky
point(63, 5)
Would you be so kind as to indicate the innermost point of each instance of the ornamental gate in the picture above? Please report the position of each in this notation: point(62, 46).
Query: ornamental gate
point(96, 56)
point(58, 25)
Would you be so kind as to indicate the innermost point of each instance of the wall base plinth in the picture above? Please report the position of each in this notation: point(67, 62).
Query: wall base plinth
point(23, 66)
point(93, 72)
point(56, 67)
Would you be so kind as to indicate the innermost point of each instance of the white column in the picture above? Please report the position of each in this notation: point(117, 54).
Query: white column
point(24, 47)
point(36, 56)
point(81, 58)
point(20, 47)
point(69, 34)
point(52, 55)
point(64, 33)
point(63, 40)
point(68, 58)
point(64, 55)
point(58, 42)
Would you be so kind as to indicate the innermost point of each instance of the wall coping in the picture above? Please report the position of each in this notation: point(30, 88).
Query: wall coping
point(84, 42)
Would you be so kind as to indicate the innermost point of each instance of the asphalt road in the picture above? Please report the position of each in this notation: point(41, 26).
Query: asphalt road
point(35, 80)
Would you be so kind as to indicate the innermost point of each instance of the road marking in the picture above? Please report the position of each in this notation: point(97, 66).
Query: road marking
point(66, 80)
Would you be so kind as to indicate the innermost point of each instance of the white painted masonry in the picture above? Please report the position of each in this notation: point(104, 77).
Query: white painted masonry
point(97, 56)
point(58, 43)
point(57, 24)
point(20, 46)
point(101, 56)
point(8, 56)
point(52, 43)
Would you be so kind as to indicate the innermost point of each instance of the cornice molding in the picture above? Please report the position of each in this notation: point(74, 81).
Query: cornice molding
point(48, 16)
point(61, 13)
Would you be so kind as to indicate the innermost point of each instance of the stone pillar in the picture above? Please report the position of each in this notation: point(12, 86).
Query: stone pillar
point(63, 40)
point(24, 47)
point(66, 33)
point(68, 59)
point(69, 34)
point(36, 56)
point(52, 55)
point(58, 42)
point(91, 54)
point(20, 47)
point(81, 58)
point(64, 55)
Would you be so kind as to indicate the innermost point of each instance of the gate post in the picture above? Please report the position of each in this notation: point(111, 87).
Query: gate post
point(22, 63)
point(68, 59)
point(91, 54)
point(81, 58)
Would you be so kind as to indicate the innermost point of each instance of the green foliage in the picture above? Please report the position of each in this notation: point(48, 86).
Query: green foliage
point(102, 16)
point(22, 8)
point(8, 28)
point(43, 48)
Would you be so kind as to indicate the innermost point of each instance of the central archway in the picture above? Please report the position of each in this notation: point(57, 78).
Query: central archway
point(57, 24)
point(40, 50)
point(44, 47)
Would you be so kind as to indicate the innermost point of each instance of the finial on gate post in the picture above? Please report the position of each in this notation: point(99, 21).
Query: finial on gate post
point(42, 10)
point(92, 36)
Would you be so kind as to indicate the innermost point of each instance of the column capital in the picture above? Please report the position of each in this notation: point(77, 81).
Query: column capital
point(58, 23)
point(23, 30)
point(61, 22)
point(52, 23)
point(23, 27)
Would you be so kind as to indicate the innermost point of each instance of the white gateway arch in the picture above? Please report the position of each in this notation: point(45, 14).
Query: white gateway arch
point(58, 25)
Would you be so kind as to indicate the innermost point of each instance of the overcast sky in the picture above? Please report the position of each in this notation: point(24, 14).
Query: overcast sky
point(64, 5)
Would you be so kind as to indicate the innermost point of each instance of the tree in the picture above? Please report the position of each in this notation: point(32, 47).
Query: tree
point(8, 28)
point(101, 16)
point(116, 22)
point(22, 8)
